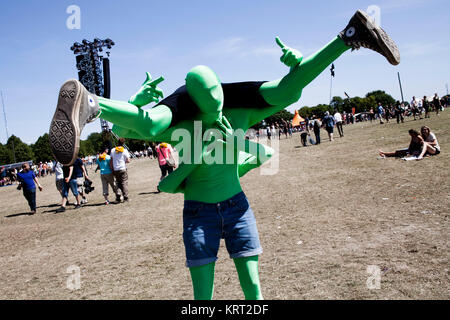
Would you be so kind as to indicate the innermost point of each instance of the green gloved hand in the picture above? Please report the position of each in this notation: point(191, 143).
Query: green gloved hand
point(149, 92)
point(291, 57)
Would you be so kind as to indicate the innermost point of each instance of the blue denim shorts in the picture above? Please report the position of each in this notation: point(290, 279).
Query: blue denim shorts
point(204, 224)
point(72, 185)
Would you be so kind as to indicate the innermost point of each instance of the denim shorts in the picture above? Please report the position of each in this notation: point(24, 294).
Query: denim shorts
point(204, 224)
point(72, 185)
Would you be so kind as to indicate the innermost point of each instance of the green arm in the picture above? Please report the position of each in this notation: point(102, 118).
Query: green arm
point(174, 182)
point(149, 92)
point(255, 155)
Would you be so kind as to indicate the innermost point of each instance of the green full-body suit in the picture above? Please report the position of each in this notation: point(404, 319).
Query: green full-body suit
point(212, 183)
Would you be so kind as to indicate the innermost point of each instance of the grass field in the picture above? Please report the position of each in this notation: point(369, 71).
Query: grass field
point(330, 212)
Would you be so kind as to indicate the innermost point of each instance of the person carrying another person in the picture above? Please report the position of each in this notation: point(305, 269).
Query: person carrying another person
point(28, 181)
point(431, 146)
point(106, 175)
point(118, 164)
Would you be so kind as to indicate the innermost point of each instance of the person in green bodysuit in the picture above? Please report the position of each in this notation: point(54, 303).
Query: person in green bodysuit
point(215, 206)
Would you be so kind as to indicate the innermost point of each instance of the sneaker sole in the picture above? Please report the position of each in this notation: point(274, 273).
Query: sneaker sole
point(385, 42)
point(64, 133)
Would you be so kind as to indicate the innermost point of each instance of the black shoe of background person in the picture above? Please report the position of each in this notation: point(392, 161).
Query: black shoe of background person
point(126, 199)
point(76, 107)
point(61, 209)
point(118, 199)
point(362, 31)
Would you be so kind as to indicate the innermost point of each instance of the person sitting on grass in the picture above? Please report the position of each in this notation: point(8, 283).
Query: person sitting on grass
point(415, 147)
point(431, 146)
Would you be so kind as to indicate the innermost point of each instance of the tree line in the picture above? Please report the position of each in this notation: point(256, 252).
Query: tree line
point(40, 151)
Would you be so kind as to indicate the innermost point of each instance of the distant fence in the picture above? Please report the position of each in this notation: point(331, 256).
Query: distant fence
point(16, 165)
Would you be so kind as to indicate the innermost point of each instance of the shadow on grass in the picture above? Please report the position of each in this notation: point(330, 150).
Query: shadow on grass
point(147, 193)
point(19, 214)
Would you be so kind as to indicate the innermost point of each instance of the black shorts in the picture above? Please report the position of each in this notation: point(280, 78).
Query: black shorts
point(236, 95)
point(166, 169)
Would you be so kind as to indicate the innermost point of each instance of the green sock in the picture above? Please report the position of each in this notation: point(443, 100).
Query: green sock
point(247, 269)
point(203, 281)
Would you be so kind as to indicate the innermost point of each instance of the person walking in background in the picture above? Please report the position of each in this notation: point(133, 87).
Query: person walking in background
point(80, 173)
point(106, 175)
point(165, 159)
point(59, 178)
point(426, 106)
point(380, 111)
point(70, 182)
point(399, 112)
point(338, 119)
point(118, 164)
point(316, 127)
point(329, 122)
point(415, 108)
point(28, 181)
point(436, 103)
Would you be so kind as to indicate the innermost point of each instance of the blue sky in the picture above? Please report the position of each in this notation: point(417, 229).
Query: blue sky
point(234, 38)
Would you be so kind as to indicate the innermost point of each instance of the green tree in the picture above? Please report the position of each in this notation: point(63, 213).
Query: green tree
point(5, 155)
point(41, 149)
point(381, 97)
point(22, 151)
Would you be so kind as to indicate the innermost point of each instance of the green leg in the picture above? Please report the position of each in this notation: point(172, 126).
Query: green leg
point(145, 123)
point(203, 281)
point(126, 133)
point(247, 269)
point(286, 91)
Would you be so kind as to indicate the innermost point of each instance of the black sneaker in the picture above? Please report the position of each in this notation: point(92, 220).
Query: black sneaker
point(126, 199)
point(77, 206)
point(117, 198)
point(61, 209)
point(363, 32)
point(76, 107)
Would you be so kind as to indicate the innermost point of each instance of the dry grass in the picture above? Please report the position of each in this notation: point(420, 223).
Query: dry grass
point(331, 211)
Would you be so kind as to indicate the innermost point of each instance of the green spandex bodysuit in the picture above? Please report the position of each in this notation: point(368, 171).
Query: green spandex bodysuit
point(212, 183)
